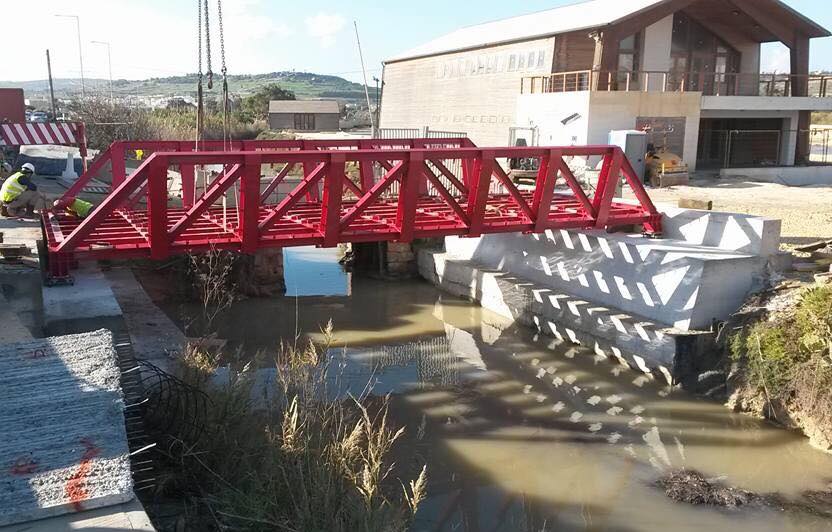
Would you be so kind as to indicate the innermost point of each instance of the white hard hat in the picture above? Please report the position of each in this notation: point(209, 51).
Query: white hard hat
point(28, 166)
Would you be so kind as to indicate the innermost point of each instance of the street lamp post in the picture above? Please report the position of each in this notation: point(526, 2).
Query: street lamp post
point(80, 51)
point(109, 66)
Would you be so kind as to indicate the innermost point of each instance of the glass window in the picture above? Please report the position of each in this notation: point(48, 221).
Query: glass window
point(628, 55)
point(512, 63)
point(541, 58)
point(530, 62)
point(521, 62)
point(481, 64)
point(681, 28)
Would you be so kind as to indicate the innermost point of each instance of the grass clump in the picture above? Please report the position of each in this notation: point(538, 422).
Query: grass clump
point(305, 458)
point(788, 356)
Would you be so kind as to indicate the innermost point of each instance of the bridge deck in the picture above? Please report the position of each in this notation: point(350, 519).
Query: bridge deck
point(124, 233)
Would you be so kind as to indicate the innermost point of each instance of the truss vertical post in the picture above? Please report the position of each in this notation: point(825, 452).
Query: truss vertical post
point(545, 188)
point(250, 204)
point(333, 195)
point(312, 195)
point(188, 173)
point(483, 168)
point(604, 195)
point(467, 171)
point(117, 162)
point(157, 209)
point(365, 168)
point(408, 195)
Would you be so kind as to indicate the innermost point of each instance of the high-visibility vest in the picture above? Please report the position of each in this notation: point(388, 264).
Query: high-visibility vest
point(80, 208)
point(12, 188)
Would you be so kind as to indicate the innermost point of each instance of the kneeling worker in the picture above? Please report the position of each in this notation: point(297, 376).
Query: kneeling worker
point(19, 194)
point(74, 207)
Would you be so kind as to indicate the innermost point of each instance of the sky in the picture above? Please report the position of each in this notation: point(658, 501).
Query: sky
point(157, 38)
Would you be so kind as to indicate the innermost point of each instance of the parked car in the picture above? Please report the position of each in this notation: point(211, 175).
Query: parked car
point(40, 116)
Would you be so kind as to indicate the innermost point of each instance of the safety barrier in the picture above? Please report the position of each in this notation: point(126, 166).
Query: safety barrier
point(38, 133)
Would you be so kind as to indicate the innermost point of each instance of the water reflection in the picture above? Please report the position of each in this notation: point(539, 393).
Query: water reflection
point(522, 432)
point(310, 271)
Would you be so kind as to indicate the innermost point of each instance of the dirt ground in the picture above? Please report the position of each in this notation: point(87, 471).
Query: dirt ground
point(806, 212)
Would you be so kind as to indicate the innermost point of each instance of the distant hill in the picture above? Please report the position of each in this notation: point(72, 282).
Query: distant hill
point(305, 85)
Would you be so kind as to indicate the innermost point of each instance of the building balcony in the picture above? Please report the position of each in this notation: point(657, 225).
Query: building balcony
point(707, 83)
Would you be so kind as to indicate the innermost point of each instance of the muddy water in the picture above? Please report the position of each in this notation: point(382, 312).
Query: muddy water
point(521, 432)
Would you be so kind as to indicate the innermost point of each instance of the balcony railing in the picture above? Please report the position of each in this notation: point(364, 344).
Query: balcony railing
point(708, 83)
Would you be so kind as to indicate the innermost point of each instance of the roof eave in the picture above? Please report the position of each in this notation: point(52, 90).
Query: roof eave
point(486, 45)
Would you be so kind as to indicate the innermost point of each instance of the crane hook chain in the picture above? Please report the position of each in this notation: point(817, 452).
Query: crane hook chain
point(209, 73)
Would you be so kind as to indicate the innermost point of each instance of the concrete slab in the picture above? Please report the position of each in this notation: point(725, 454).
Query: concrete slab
point(13, 329)
point(792, 176)
point(154, 336)
point(64, 447)
point(90, 297)
point(127, 516)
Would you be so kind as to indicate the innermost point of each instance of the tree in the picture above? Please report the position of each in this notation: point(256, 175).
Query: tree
point(257, 105)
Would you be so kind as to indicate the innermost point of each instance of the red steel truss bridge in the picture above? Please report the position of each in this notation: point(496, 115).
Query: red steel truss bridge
point(323, 193)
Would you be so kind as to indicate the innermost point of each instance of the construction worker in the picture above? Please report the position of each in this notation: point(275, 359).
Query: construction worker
point(75, 207)
point(19, 194)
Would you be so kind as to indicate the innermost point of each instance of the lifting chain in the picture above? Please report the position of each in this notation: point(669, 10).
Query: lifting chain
point(199, 96)
point(209, 73)
point(225, 99)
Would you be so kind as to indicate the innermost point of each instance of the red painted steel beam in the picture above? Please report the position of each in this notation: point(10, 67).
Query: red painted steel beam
point(249, 205)
point(112, 231)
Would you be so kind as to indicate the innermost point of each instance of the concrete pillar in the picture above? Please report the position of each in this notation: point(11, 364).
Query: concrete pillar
point(799, 55)
point(261, 274)
point(388, 260)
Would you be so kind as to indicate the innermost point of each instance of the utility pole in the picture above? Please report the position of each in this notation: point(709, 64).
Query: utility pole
point(80, 51)
point(109, 66)
point(51, 87)
point(378, 101)
point(364, 71)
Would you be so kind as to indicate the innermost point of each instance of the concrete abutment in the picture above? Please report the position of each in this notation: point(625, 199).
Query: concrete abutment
point(649, 303)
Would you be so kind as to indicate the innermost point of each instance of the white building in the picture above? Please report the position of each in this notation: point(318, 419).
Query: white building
point(688, 71)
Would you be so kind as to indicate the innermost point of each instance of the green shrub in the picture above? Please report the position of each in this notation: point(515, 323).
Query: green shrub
point(774, 352)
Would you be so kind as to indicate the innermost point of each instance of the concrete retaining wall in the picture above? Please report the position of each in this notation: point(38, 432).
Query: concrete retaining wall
point(670, 282)
point(643, 301)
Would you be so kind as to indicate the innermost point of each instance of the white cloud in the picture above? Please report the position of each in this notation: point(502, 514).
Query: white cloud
point(775, 57)
point(325, 27)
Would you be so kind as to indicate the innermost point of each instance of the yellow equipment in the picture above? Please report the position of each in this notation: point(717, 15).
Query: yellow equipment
point(666, 169)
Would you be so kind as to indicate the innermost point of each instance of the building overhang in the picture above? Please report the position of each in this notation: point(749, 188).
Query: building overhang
point(765, 103)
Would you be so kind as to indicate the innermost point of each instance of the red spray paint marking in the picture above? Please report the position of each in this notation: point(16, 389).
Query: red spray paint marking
point(76, 489)
point(23, 466)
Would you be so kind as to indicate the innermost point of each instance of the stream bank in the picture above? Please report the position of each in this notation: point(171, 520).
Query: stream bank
point(522, 431)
